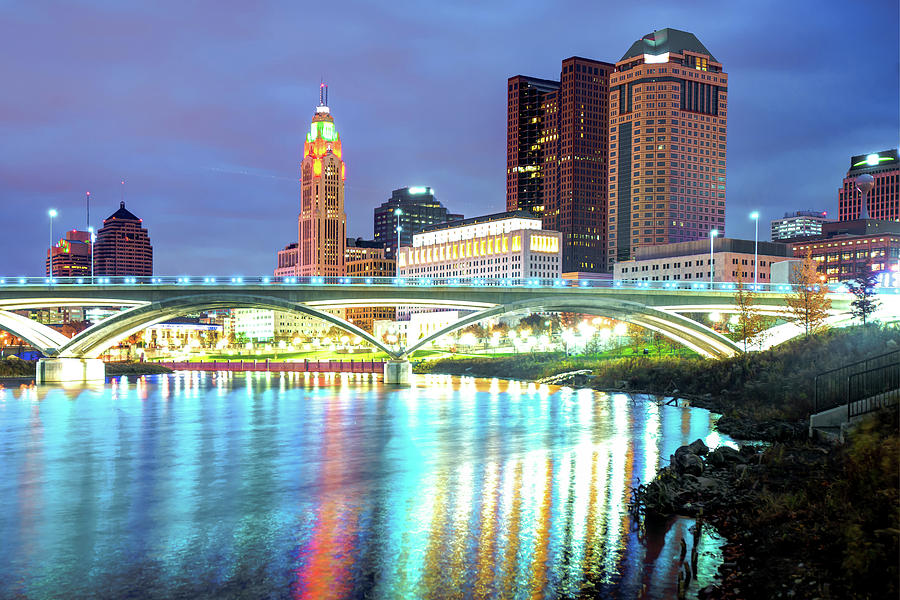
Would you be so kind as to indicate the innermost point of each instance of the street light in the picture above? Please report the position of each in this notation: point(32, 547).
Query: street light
point(755, 216)
point(93, 238)
point(397, 213)
point(52, 213)
point(712, 235)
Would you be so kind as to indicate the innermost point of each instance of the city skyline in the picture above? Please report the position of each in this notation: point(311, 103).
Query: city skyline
point(199, 147)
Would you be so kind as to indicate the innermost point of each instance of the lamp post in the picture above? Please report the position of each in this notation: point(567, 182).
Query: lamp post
point(397, 213)
point(93, 239)
point(755, 216)
point(712, 235)
point(52, 213)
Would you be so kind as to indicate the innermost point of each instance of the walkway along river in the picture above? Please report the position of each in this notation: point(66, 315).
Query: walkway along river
point(335, 486)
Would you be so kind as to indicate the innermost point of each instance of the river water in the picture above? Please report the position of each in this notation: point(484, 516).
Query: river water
point(199, 485)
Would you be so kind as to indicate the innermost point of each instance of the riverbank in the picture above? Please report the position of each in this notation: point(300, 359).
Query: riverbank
point(801, 520)
point(763, 395)
point(14, 367)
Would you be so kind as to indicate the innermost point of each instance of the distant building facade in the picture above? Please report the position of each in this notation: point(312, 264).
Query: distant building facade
point(419, 208)
point(71, 255)
point(667, 144)
point(883, 202)
point(733, 260)
point(287, 261)
point(800, 224)
point(847, 249)
point(367, 259)
point(122, 246)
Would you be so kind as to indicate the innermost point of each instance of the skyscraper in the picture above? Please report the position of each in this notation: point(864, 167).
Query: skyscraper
point(668, 101)
point(123, 246)
point(524, 142)
point(322, 222)
point(883, 202)
point(557, 147)
point(419, 208)
point(71, 255)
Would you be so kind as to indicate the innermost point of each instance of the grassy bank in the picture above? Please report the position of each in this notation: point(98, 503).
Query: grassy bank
point(775, 384)
point(13, 367)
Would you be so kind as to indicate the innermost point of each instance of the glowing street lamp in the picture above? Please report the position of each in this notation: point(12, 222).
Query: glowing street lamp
point(398, 212)
point(52, 213)
point(93, 239)
point(712, 235)
point(755, 216)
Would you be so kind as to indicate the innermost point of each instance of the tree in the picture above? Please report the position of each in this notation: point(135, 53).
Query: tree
point(750, 322)
point(809, 302)
point(863, 289)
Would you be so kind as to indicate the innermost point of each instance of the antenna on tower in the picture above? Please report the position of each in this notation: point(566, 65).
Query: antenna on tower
point(122, 194)
point(323, 94)
point(88, 202)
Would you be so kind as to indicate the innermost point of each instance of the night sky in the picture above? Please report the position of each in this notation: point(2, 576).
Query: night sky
point(201, 107)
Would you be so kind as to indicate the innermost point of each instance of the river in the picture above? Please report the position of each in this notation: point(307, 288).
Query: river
point(202, 485)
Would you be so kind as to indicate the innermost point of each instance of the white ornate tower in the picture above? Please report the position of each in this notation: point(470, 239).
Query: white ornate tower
point(323, 222)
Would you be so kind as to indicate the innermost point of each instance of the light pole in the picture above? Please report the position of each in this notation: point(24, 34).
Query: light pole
point(755, 216)
point(93, 238)
point(712, 235)
point(397, 213)
point(52, 213)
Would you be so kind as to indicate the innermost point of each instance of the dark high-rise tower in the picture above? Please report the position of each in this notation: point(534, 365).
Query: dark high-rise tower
point(525, 141)
point(668, 112)
point(418, 209)
point(123, 246)
point(557, 143)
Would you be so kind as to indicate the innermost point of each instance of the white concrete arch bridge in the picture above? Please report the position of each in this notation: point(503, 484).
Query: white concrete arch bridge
point(658, 306)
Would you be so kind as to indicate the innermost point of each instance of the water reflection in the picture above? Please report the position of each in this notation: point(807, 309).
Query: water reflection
point(260, 485)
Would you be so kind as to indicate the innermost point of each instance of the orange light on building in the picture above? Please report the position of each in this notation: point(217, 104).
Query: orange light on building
point(317, 168)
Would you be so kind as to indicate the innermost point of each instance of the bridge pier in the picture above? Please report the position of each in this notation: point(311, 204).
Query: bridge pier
point(63, 370)
point(397, 372)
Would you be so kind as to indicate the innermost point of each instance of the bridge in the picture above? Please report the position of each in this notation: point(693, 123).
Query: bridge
point(657, 306)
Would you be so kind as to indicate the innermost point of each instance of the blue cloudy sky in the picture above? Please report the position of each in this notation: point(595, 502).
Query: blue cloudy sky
point(201, 107)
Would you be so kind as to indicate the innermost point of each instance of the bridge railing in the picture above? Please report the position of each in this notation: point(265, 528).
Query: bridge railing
point(531, 282)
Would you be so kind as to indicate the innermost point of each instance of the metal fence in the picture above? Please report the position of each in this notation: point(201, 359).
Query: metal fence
point(306, 366)
point(833, 387)
point(873, 389)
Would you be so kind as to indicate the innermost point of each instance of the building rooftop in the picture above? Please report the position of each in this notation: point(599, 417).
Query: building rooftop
point(515, 214)
point(122, 214)
point(719, 245)
point(667, 40)
point(876, 162)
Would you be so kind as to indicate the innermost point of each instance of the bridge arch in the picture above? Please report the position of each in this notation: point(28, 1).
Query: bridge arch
point(41, 337)
point(92, 342)
point(699, 338)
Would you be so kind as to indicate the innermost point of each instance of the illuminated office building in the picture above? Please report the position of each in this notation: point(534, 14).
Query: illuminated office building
point(883, 202)
point(122, 246)
point(557, 151)
point(504, 245)
point(667, 138)
point(71, 255)
point(367, 258)
point(800, 224)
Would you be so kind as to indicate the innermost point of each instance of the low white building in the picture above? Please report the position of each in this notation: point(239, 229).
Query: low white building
point(499, 246)
point(732, 260)
point(260, 325)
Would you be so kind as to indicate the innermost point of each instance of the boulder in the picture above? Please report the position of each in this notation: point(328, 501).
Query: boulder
point(686, 462)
